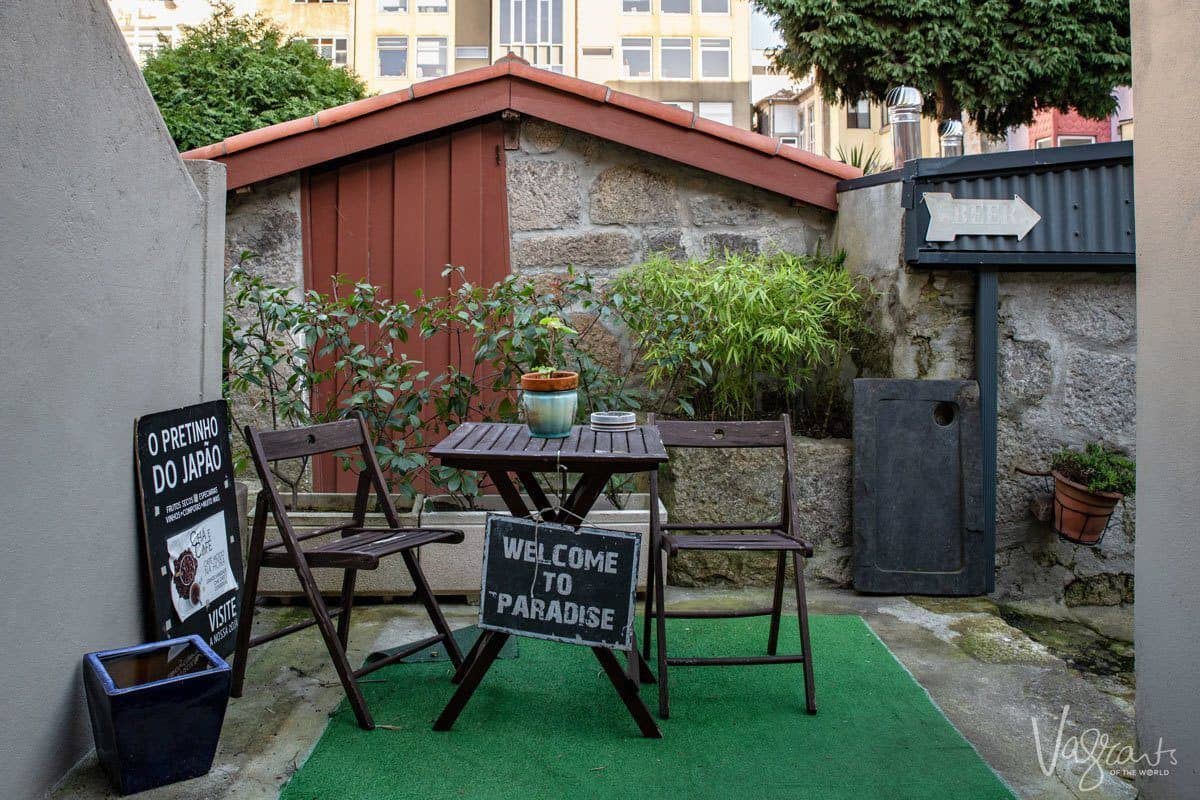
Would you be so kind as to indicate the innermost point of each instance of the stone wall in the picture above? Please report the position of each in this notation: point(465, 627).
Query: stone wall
point(575, 199)
point(1067, 344)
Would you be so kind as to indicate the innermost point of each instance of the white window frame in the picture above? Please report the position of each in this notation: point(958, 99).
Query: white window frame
point(1043, 143)
point(319, 41)
point(649, 7)
point(545, 52)
point(662, 62)
point(443, 48)
point(663, 10)
point(725, 105)
point(432, 7)
point(471, 52)
point(781, 133)
point(792, 140)
point(403, 6)
point(649, 50)
point(379, 50)
point(724, 13)
point(1077, 139)
point(686, 105)
point(727, 49)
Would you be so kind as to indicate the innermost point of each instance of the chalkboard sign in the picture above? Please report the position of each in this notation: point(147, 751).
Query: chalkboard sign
point(190, 523)
point(555, 582)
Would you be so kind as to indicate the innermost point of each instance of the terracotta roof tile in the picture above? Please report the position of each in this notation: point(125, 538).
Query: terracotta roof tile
point(653, 108)
point(346, 111)
point(511, 67)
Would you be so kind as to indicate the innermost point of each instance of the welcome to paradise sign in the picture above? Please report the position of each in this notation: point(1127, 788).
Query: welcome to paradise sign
point(556, 582)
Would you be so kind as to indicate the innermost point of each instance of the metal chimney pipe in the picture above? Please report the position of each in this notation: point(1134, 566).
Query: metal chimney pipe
point(904, 104)
point(950, 136)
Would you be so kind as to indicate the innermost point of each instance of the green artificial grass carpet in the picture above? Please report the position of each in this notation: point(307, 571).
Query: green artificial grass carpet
point(548, 724)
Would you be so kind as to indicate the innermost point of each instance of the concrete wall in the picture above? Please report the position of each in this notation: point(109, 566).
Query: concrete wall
point(111, 258)
point(1166, 72)
point(1067, 342)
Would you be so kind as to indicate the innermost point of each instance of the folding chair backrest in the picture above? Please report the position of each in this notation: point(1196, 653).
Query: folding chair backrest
point(347, 434)
point(769, 433)
point(755, 434)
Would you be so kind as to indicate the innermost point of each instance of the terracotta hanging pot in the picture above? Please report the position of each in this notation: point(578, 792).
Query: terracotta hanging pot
point(1081, 515)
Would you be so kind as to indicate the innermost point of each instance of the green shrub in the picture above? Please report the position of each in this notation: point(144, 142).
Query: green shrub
point(723, 336)
point(235, 73)
point(1098, 468)
point(302, 359)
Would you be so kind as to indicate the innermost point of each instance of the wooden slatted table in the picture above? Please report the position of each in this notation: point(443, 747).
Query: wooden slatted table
point(499, 449)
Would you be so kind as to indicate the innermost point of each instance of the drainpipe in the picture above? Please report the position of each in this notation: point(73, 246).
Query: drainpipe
point(950, 136)
point(904, 104)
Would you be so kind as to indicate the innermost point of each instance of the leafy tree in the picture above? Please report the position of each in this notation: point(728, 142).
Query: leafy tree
point(996, 60)
point(233, 73)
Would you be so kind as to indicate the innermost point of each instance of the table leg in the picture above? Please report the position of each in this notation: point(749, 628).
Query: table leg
point(534, 490)
point(638, 670)
point(470, 681)
point(508, 493)
point(582, 498)
point(628, 691)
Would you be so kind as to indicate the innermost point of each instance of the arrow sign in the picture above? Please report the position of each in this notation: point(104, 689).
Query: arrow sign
point(950, 217)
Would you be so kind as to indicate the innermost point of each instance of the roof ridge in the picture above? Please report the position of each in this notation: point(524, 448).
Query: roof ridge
point(512, 67)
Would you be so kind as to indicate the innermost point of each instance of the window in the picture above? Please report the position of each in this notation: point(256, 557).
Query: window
point(1125, 130)
point(806, 121)
point(1070, 141)
point(717, 112)
point(635, 57)
point(476, 53)
point(433, 6)
point(675, 57)
point(714, 58)
point(431, 56)
point(393, 6)
point(332, 49)
point(635, 6)
point(714, 6)
point(858, 114)
point(785, 120)
point(393, 56)
point(686, 105)
point(533, 30)
point(676, 6)
point(1042, 144)
point(792, 140)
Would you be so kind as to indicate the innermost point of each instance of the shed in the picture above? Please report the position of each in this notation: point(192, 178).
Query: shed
point(508, 167)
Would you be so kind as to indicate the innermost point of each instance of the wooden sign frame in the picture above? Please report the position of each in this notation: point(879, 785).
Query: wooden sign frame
point(189, 523)
point(556, 582)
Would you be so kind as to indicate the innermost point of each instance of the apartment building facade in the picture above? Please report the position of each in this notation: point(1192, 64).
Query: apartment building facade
point(691, 53)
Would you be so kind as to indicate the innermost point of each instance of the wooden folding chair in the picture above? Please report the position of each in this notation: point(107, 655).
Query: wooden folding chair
point(780, 538)
point(358, 548)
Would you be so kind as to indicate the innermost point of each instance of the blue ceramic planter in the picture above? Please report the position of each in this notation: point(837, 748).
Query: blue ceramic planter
point(156, 711)
point(550, 415)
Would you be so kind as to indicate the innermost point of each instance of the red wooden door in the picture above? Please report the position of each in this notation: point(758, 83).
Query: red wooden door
point(396, 220)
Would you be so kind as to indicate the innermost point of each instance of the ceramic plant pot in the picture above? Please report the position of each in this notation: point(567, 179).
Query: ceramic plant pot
point(156, 711)
point(1081, 515)
point(550, 401)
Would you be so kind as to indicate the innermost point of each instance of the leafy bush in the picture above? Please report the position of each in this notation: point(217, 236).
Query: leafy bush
point(232, 74)
point(1099, 468)
point(306, 359)
point(303, 360)
point(723, 336)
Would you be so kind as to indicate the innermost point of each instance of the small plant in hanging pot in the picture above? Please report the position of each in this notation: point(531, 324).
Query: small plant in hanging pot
point(549, 395)
point(1087, 487)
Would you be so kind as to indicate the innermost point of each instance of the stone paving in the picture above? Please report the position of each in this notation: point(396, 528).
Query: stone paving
point(989, 678)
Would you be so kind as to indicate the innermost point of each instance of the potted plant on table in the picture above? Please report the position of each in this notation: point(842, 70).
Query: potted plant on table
point(549, 395)
point(1087, 487)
